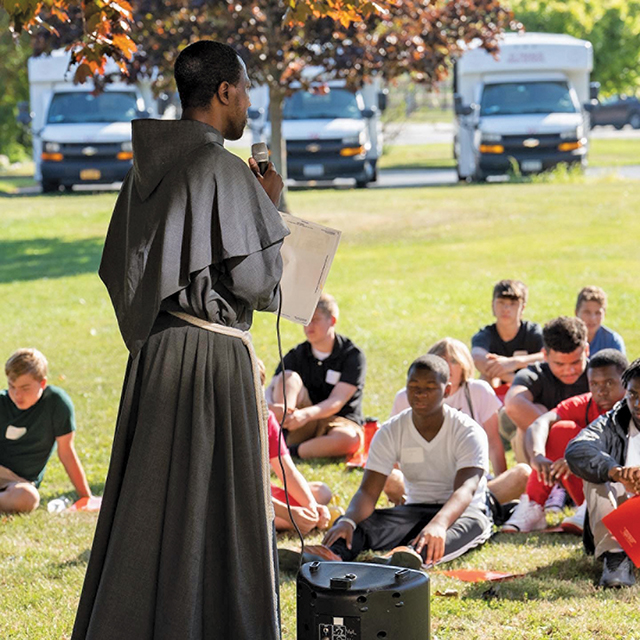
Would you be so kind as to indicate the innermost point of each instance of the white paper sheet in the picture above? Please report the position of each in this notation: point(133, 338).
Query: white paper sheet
point(307, 254)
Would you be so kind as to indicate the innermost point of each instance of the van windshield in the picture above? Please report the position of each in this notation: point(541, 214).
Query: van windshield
point(516, 98)
point(79, 107)
point(321, 105)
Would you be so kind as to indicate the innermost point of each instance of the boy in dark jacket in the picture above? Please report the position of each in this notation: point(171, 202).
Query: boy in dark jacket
point(606, 455)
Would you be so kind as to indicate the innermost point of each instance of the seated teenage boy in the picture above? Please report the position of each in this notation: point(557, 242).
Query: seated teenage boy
point(443, 454)
point(34, 418)
point(547, 439)
point(591, 307)
point(510, 343)
point(324, 379)
point(606, 455)
point(543, 385)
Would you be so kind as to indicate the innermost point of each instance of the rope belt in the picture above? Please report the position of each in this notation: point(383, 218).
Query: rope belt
point(263, 417)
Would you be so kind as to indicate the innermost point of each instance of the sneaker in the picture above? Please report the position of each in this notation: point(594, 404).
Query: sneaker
point(575, 523)
point(404, 557)
point(555, 501)
point(527, 516)
point(617, 570)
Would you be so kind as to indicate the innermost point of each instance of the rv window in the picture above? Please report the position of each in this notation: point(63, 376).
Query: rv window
point(79, 107)
point(517, 98)
point(335, 103)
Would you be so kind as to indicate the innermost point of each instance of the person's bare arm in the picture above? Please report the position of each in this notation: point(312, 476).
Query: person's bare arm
point(433, 536)
point(360, 508)
point(491, 365)
point(536, 445)
point(520, 407)
point(629, 477)
point(479, 356)
point(71, 463)
point(339, 396)
point(305, 518)
point(297, 486)
point(506, 368)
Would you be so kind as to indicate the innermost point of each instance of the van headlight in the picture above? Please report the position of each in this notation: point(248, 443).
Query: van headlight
point(573, 134)
point(51, 147)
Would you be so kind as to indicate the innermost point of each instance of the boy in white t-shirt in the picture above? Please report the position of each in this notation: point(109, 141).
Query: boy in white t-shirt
point(443, 454)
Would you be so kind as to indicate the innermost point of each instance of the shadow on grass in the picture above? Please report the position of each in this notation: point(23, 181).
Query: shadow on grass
point(81, 560)
point(48, 258)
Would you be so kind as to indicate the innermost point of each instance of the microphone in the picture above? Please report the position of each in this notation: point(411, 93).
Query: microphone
point(260, 154)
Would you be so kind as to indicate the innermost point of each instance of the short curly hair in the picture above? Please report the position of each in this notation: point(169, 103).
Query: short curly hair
point(431, 362)
point(201, 68)
point(564, 334)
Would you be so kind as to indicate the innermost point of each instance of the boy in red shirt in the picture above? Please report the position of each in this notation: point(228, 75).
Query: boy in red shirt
point(549, 435)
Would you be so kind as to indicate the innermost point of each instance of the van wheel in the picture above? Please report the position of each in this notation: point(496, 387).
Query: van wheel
point(50, 186)
point(361, 184)
point(634, 120)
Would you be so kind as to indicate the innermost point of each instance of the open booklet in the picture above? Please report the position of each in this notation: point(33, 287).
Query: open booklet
point(307, 254)
point(624, 525)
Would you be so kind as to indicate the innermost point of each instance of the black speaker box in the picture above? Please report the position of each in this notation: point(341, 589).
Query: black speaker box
point(362, 601)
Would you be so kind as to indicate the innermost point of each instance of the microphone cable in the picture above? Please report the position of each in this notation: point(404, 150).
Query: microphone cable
point(281, 434)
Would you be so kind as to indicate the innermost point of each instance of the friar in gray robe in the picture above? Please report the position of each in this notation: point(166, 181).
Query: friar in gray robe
point(183, 548)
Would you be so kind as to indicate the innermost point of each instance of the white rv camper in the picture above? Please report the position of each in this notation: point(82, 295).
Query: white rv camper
point(527, 109)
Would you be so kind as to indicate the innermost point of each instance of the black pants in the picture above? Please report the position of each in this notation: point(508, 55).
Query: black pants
point(388, 528)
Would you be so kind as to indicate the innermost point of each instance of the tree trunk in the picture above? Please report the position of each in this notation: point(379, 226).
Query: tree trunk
point(278, 145)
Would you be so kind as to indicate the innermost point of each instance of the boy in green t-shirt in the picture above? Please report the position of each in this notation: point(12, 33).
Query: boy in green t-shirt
point(34, 418)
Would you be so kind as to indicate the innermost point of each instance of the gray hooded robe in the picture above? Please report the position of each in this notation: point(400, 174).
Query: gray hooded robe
point(181, 550)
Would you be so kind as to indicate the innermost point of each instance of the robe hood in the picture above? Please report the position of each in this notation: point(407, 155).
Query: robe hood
point(160, 145)
point(186, 205)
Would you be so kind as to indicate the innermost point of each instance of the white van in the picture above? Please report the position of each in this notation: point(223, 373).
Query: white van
point(526, 110)
point(79, 135)
point(330, 131)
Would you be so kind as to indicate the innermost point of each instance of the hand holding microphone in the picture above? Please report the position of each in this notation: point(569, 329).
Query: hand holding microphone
point(265, 172)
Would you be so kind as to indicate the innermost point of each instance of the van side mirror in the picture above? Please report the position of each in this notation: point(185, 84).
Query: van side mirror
point(368, 113)
point(594, 90)
point(24, 115)
point(383, 98)
point(590, 106)
point(460, 108)
point(254, 114)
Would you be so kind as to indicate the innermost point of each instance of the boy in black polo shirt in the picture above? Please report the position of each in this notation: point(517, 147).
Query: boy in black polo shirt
point(324, 380)
point(544, 385)
point(501, 349)
point(34, 418)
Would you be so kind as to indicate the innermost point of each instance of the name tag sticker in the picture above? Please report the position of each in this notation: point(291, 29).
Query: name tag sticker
point(332, 377)
point(15, 433)
point(412, 455)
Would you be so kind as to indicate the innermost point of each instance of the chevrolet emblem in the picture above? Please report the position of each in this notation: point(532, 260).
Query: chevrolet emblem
point(89, 151)
point(313, 148)
point(531, 143)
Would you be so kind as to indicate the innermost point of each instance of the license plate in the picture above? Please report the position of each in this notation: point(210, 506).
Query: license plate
point(90, 174)
point(313, 170)
point(531, 165)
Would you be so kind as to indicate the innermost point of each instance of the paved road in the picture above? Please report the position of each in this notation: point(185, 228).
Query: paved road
point(426, 133)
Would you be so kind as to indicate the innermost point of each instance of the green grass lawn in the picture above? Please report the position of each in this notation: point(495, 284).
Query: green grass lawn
point(414, 265)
